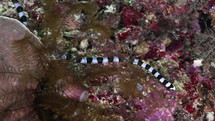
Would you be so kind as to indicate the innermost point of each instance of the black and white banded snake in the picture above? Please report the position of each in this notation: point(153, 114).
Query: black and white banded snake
point(103, 60)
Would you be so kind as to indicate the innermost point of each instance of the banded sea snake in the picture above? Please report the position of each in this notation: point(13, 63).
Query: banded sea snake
point(20, 11)
point(102, 60)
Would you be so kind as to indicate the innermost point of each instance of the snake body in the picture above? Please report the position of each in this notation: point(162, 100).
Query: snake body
point(142, 64)
point(103, 60)
point(20, 12)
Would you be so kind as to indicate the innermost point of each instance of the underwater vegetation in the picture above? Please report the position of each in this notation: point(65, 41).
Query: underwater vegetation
point(175, 37)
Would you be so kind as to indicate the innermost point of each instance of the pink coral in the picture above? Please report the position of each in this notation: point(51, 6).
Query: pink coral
point(103, 3)
point(130, 16)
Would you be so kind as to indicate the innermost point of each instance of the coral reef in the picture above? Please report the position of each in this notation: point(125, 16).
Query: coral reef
point(175, 37)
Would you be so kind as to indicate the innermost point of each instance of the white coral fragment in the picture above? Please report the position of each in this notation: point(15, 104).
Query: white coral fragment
point(210, 116)
point(110, 9)
point(197, 62)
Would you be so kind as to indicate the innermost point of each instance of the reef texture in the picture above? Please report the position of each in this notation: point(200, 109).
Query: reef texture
point(175, 37)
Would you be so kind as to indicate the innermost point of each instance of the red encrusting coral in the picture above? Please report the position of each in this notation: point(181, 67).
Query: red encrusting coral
point(102, 3)
point(130, 16)
point(172, 35)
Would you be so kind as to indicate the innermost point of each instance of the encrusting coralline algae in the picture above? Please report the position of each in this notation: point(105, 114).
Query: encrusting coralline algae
point(176, 38)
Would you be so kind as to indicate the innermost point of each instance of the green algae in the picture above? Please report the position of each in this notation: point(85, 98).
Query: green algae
point(51, 23)
point(98, 28)
point(90, 10)
point(129, 2)
point(163, 62)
